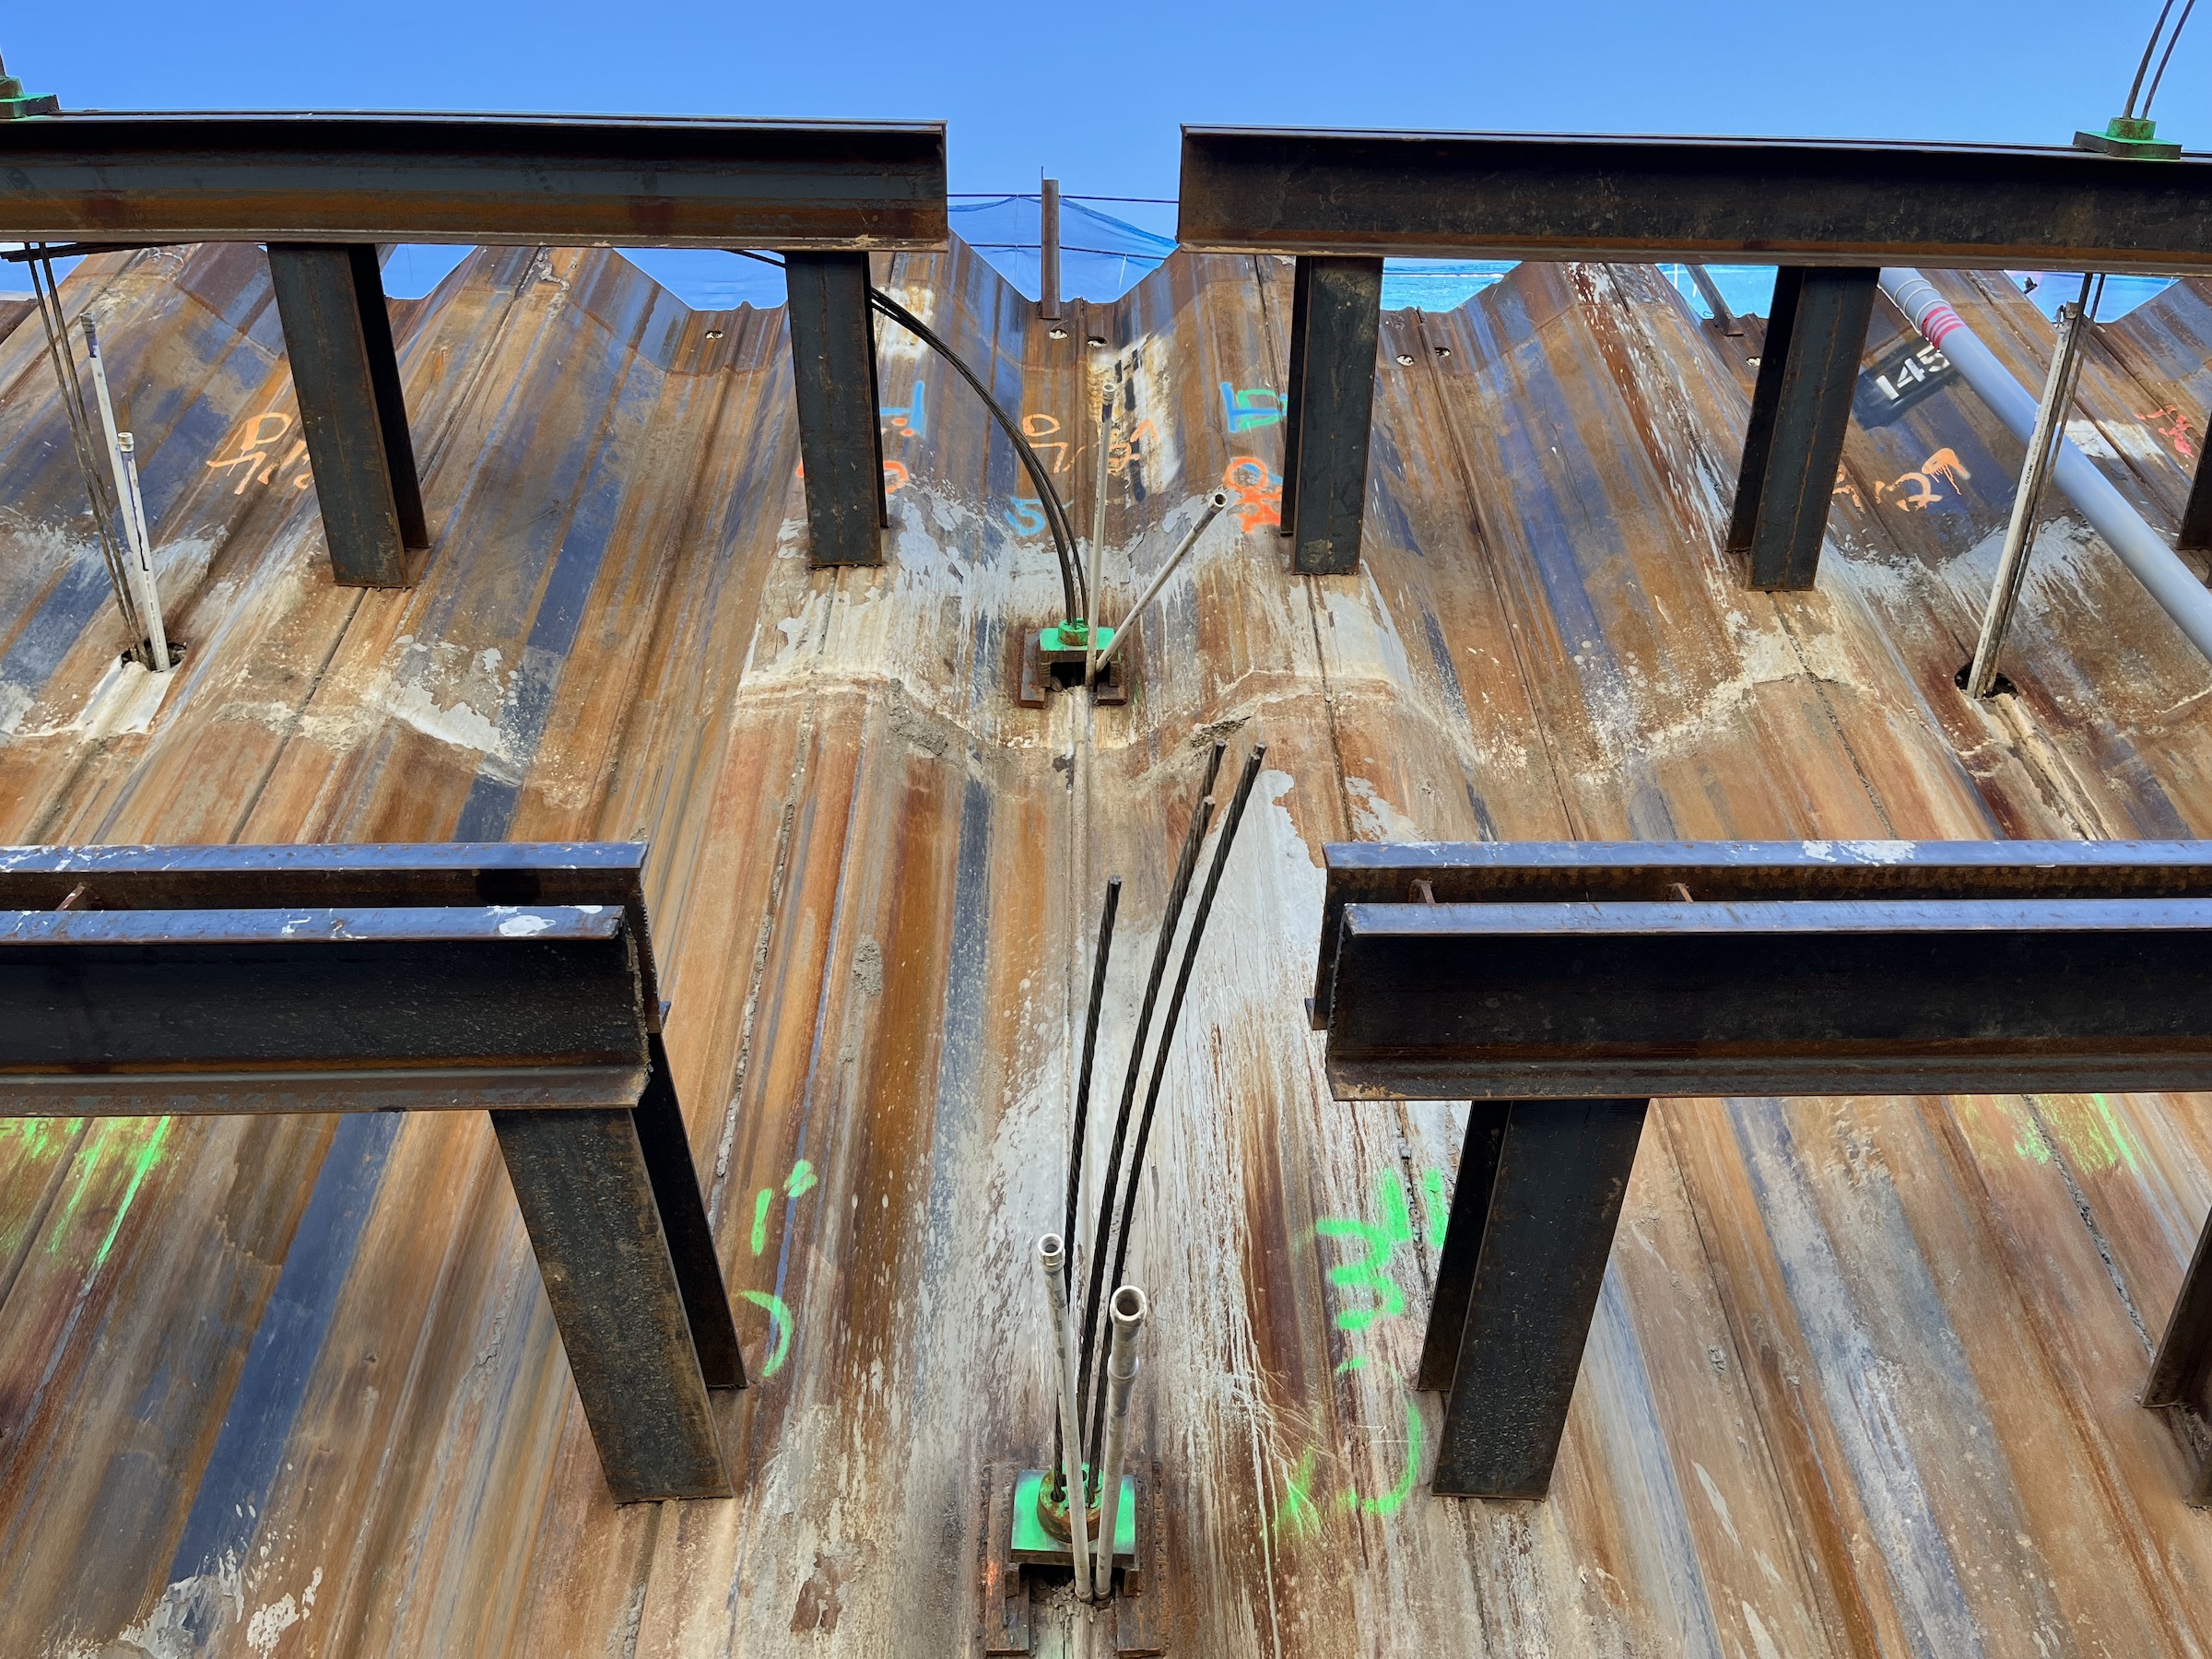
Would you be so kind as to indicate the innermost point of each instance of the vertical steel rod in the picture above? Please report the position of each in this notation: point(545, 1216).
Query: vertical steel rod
point(1052, 1263)
point(1723, 319)
point(1167, 1031)
point(2027, 500)
point(137, 553)
point(1129, 1312)
point(1048, 251)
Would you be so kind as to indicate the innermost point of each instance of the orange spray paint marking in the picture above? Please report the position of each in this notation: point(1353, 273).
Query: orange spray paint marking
point(1258, 492)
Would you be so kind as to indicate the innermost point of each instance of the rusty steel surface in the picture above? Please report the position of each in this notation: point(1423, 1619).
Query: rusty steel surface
point(1760, 201)
point(651, 181)
point(1861, 1374)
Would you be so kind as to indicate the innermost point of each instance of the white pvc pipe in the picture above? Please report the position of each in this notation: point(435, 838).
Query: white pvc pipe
point(1128, 1309)
point(2173, 583)
point(1053, 1263)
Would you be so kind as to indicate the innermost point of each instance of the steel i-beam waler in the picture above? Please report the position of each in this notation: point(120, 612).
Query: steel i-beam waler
point(1830, 214)
point(516, 979)
point(324, 191)
point(1560, 987)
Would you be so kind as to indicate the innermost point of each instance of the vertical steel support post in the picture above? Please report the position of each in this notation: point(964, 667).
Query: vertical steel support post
point(1561, 1171)
point(2181, 1373)
point(1800, 409)
point(667, 1146)
point(338, 335)
point(1461, 1252)
point(586, 1190)
point(1336, 321)
point(1048, 251)
point(2195, 534)
point(834, 374)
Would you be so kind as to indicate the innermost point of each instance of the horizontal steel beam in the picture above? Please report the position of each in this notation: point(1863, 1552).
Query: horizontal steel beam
point(1714, 872)
point(1557, 985)
point(1741, 201)
point(100, 1009)
point(524, 180)
point(369, 875)
point(1823, 997)
point(221, 980)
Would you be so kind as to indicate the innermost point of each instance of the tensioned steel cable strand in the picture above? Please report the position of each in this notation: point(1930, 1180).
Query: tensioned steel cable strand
point(55, 324)
point(1056, 513)
point(1167, 1032)
point(1075, 1149)
point(1172, 914)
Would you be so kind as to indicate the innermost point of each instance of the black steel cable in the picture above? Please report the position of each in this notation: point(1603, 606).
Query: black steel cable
point(1170, 914)
point(55, 324)
point(1064, 540)
point(1167, 1041)
point(1075, 1148)
point(2166, 57)
point(1090, 1045)
point(1056, 513)
point(2149, 46)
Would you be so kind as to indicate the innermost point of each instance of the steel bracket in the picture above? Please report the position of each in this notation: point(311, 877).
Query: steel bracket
point(1052, 660)
point(1016, 1560)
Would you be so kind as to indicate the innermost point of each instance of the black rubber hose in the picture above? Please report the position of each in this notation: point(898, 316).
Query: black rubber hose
point(1170, 916)
point(1167, 1041)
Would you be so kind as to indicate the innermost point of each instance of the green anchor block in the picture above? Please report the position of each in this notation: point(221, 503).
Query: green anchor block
point(2133, 135)
point(16, 103)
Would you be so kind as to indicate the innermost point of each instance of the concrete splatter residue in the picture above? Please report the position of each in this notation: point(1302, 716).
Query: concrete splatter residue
point(443, 690)
point(272, 1620)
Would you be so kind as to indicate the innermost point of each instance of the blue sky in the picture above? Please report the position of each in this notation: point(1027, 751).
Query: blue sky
point(1095, 95)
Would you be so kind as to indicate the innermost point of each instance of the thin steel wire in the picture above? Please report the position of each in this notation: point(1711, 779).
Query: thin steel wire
point(2166, 57)
point(56, 327)
point(2142, 68)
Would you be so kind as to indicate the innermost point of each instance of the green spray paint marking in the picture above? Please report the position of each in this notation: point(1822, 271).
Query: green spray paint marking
point(1298, 1515)
point(800, 1180)
point(778, 1317)
point(1432, 1189)
point(1371, 1272)
point(760, 1204)
point(142, 1162)
point(1395, 1499)
point(2109, 1139)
